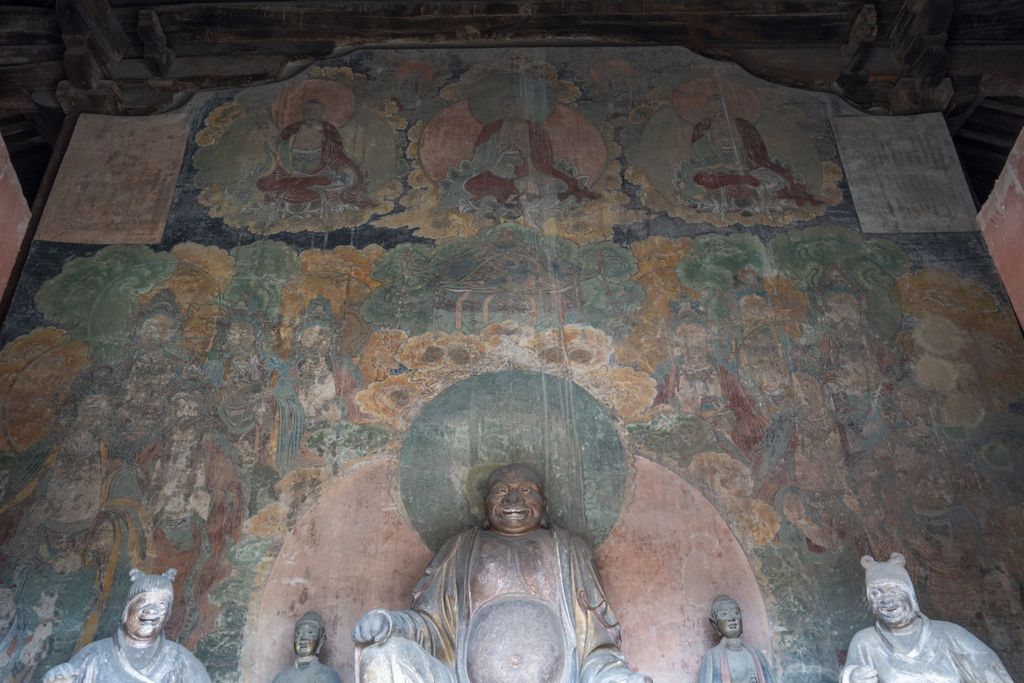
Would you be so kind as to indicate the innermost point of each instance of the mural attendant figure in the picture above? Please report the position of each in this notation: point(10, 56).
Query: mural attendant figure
point(159, 359)
point(81, 534)
point(905, 646)
point(138, 650)
point(198, 505)
point(732, 661)
point(515, 600)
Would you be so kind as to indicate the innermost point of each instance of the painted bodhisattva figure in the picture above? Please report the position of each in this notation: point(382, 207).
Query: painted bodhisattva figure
point(138, 651)
point(904, 646)
point(731, 661)
point(516, 600)
point(308, 638)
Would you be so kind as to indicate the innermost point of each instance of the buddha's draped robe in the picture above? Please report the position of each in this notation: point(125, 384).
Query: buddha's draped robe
point(444, 637)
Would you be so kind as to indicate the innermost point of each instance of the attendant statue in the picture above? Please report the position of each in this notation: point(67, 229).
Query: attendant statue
point(904, 646)
point(732, 661)
point(516, 600)
point(308, 639)
point(138, 650)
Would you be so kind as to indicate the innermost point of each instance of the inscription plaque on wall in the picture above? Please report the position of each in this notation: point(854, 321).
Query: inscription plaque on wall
point(904, 174)
point(116, 181)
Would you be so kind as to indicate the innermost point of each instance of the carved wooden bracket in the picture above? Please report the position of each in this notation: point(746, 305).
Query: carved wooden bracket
point(918, 42)
point(855, 50)
point(104, 98)
point(94, 43)
point(158, 57)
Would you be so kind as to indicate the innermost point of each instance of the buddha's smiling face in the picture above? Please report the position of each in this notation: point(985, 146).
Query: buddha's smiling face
point(515, 506)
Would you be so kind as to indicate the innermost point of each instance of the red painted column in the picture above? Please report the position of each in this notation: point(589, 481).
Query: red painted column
point(14, 217)
point(1001, 220)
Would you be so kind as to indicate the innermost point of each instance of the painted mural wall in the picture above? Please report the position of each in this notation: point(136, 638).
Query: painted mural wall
point(639, 269)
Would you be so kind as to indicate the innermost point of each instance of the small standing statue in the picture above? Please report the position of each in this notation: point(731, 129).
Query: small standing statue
point(731, 661)
point(138, 650)
point(309, 638)
point(904, 646)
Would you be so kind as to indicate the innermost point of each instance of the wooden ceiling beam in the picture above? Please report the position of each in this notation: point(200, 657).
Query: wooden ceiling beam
point(629, 20)
point(525, 7)
point(999, 142)
point(865, 50)
point(203, 73)
point(1015, 109)
point(11, 55)
point(28, 26)
point(987, 22)
point(984, 158)
point(17, 83)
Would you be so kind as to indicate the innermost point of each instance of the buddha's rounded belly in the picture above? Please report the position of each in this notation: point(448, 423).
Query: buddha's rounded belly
point(515, 640)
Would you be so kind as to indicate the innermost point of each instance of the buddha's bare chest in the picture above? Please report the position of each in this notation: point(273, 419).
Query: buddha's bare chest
point(526, 567)
point(517, 630)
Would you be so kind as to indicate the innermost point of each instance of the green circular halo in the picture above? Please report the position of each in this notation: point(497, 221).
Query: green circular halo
point(513, 416)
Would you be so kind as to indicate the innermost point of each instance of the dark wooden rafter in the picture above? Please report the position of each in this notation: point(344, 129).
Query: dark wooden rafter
point(983, 139)
point(702, 23)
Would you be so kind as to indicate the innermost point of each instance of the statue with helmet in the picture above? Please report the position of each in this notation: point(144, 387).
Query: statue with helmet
point(138, 650)
point(905, 646)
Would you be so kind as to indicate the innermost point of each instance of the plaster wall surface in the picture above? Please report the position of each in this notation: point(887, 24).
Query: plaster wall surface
point(1002, 222)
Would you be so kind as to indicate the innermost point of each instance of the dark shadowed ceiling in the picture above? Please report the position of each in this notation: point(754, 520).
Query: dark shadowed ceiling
point(965, 59)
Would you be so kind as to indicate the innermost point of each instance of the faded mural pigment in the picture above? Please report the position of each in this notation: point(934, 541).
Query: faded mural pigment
point(639, 270)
